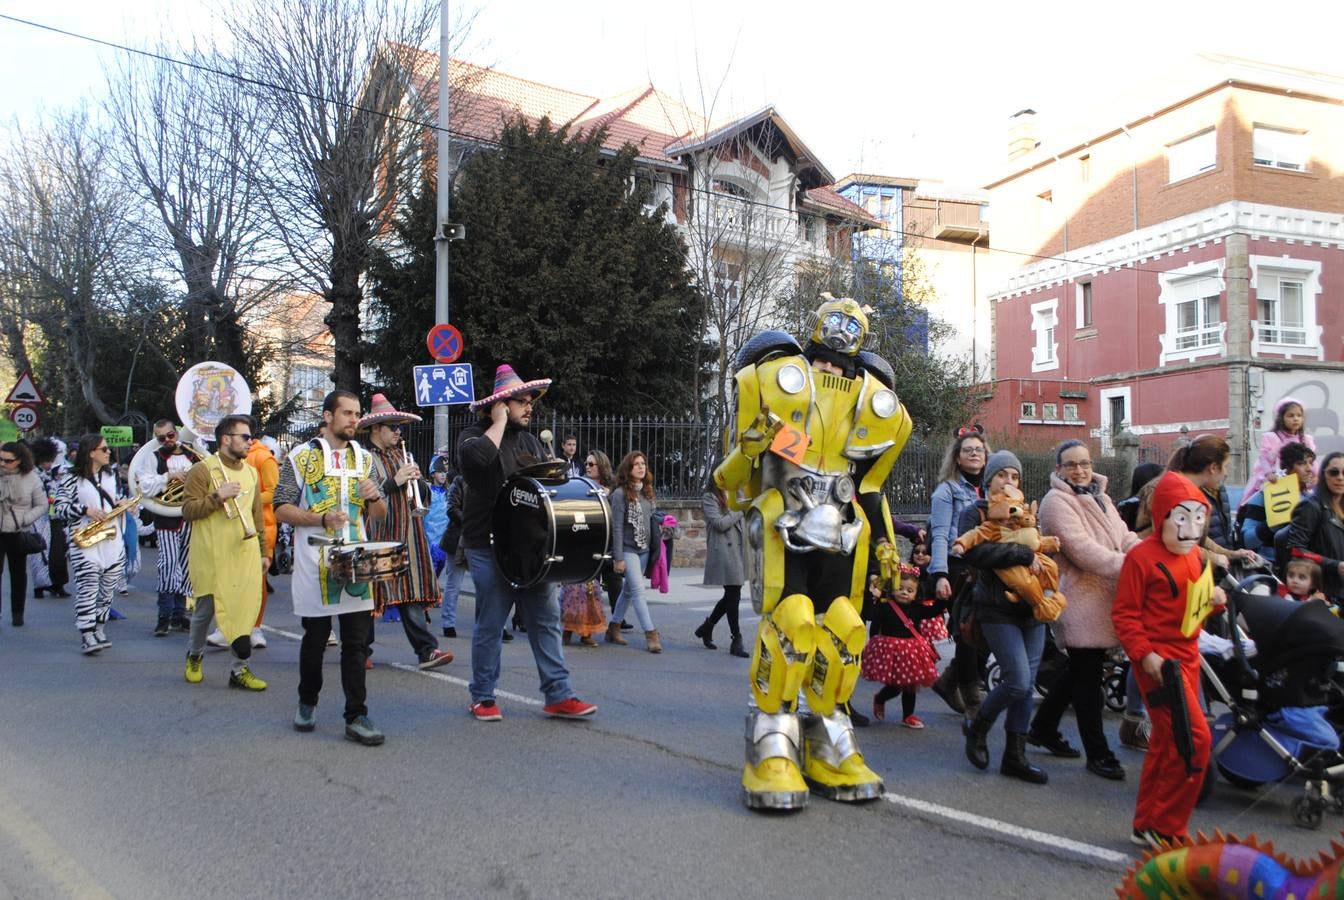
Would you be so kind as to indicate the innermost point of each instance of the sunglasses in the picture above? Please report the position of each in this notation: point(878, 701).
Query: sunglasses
point(6, 460)
point(167, 435)
point(1334, 473)
point(393, 427)
point(242, 434)
point(590, 465)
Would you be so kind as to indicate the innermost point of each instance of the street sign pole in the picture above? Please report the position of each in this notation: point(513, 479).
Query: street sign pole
point(443, 170)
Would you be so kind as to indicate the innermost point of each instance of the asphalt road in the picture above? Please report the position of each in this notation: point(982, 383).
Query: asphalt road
point(119, 779)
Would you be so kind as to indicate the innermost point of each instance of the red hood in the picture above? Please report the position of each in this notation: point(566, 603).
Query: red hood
point(1173, 489)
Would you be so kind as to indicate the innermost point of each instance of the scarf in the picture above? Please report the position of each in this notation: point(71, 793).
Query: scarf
point(639, 523)
point(1093, 487)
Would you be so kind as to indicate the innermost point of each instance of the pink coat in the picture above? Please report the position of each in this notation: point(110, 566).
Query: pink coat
point(1271, 442)
point(1093, 541)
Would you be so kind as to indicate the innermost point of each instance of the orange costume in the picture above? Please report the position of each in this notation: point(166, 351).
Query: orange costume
point(260, 457)
point(1009, 520)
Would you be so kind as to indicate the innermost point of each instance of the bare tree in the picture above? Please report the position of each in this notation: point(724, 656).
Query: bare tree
point(190, 141)
point(337, 151)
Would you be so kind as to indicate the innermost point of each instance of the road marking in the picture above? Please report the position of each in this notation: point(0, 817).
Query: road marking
point(1007, 828)
point(48, 859)
point(438, 676)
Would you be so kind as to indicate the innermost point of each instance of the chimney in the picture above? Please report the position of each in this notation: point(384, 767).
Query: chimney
point(1022, 133)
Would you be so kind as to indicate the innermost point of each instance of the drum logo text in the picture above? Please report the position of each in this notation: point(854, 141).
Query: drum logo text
point(520, 497)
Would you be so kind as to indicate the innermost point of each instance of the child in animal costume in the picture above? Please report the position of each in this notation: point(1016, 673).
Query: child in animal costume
point(1164, 594)
point(1009, 520)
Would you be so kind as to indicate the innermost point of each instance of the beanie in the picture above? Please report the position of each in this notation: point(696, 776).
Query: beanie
point(1000, 459)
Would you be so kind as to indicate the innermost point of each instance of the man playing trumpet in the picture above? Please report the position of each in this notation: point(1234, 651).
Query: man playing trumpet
point(407, 495)
point(226, 557)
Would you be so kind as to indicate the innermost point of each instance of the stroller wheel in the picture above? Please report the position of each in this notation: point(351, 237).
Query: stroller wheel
point(1235, 779)
point(1113, 690)
point(1307, 813)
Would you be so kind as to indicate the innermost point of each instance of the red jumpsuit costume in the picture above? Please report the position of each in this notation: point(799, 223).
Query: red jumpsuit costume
point(1161, 600)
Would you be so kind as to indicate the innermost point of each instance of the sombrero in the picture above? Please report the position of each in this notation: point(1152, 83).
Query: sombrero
point(508, 384)
point(381, 412)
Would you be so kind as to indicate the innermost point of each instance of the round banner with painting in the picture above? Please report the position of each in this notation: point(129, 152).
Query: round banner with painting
point(208, 392)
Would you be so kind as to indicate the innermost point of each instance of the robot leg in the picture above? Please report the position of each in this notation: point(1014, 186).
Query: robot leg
point(785, 641)
point(832, 764)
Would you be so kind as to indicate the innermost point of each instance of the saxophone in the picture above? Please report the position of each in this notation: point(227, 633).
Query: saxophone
point(96, 532)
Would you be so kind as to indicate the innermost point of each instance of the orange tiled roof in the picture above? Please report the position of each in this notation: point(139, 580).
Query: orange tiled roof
point(827, 200)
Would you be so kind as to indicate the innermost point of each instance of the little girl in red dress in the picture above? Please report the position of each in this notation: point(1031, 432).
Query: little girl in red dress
point(898, 655)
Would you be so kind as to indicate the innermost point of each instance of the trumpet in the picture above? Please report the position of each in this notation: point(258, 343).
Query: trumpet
point(413, 498)
point(98, 531)
point(231, 509)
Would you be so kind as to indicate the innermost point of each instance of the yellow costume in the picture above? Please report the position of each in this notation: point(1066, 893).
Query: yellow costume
point(222, 563)
point(807, 457)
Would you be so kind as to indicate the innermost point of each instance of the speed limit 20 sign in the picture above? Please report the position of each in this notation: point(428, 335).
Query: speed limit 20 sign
point(24, 417)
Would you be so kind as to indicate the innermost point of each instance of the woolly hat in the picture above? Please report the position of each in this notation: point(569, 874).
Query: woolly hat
point(381, 412)
point(508, 384)
point(1000, 459)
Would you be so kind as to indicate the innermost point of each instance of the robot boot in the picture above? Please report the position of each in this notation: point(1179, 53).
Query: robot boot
point(785, 640)
point(833, 767)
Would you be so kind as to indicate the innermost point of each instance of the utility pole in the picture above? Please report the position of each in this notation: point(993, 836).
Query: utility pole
point(443, 171)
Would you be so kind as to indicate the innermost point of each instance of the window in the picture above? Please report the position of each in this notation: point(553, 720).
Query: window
point(1085, 168)
point(1084, 313)
point(1049, 411)
point(1192, 296)
point(1116, 414)
point(1280, 307)
point(1071, 412)
point(1285, 306)
point(1192, 155)
point(1044, 349)
point(1028, 411)
point(1280, 149)
point(731, 188)
point(886, 207)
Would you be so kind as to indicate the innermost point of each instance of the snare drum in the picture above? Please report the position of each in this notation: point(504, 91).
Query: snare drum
point(366, 562)
point(550, 530)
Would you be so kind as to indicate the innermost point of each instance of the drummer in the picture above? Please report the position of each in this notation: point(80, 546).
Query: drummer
point(491, 450)
point(325, 491)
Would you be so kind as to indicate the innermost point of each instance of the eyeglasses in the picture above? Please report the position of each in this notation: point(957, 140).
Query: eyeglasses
point(1082, 464)
point(527, 403)
point(242, 434)
point(1334, 473)
point(7, 460)
point(590, 465)
point(103, 449)
point(973, 451)
point(167, 435)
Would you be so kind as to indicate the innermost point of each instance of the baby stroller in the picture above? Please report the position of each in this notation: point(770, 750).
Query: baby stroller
point(1275, 725)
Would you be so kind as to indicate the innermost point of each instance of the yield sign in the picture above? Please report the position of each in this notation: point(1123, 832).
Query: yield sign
point(25, 390)
point(444, 343)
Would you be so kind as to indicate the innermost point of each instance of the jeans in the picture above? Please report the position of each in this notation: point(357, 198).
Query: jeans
point(1079, 684)
point(540, 609)
point(1018, 651)
point(171, 605)
point(1133, 697)
point(415, 622)
point(727, 606)
point(633, 592)
point(355, 631)
point(452, 584)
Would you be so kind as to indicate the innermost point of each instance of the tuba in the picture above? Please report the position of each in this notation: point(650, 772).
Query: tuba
point(169, 501)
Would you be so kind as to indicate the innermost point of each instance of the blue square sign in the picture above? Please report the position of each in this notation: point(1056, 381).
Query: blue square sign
point(443, 385)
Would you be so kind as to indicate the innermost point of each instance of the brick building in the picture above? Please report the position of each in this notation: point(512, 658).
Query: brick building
point(1188, 264)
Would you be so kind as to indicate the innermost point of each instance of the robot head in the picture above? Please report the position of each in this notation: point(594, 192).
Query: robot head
point(840, 324)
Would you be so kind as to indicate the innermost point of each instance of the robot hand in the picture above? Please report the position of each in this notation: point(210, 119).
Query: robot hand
point(758, 435)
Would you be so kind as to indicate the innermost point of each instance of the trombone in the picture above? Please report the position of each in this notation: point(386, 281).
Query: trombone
point(413, 498)
point(231, 509)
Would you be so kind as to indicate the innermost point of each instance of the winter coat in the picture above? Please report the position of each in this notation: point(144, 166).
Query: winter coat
point(989, 597)
point(725, 541)
point(1093, 540)
point(1271, 442)
point(23, 501)
point(1316, 529)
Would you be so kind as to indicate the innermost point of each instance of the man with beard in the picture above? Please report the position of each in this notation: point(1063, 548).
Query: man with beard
point(167, 466)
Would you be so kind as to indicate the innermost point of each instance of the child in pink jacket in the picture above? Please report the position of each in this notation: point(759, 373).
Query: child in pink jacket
point(1290, 424)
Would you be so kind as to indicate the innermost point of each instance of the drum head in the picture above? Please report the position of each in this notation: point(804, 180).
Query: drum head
point(552, 531)
point(547, 469)
point(521, 530)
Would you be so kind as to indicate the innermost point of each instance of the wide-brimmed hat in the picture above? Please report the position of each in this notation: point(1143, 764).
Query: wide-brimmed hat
point(381, 412)
point(508, 384)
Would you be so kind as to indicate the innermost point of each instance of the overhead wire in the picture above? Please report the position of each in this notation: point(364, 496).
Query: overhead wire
point(495, 143)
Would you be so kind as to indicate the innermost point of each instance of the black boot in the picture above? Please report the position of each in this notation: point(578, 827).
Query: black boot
point(977, 746)
point(1015, 763)
point(946, 687)
point(736, 648)
point(705, 632)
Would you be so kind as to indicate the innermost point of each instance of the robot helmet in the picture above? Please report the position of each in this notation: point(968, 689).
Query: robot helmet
point(840, 324)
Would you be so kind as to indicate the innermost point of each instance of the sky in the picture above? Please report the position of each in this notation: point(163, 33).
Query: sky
point(920, 90)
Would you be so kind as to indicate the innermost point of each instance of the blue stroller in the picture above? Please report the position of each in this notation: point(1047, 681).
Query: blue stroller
point(1276, 723)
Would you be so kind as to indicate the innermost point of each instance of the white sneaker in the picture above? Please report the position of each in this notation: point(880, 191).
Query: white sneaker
point(101, 638)
point(216, 639)
point(88, 644)
point(258, 639)
point(331, 639)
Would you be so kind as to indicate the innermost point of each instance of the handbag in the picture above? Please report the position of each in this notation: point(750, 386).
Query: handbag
point(934, 655)
point(963, 614)
point(29, 541)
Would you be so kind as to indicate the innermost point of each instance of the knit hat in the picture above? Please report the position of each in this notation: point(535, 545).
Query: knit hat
point(508, 384)
point(382, 412)
point(1000, 459)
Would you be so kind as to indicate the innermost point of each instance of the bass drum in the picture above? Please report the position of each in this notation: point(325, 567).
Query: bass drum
point(550, 530)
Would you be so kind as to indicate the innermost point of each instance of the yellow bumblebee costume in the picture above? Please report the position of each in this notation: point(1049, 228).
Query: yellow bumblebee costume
point(816, 433)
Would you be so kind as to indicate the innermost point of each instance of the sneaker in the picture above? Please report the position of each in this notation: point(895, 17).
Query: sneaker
point(258, 639)
point(486, 711)
point(216, 639)
point(435, 659)
point(331, 639)
point(912, 721)
point(193, 673)
point(161, 629)
point(1150, 839)
point(508, 636)
point(572, 708)
point(306, 718)
point(450, 632)
point(1056, 743)
point(362, 730)
point(88, 644)
point(1134, 732)
point(101, 638)
point(181, 623)
point(244, 679)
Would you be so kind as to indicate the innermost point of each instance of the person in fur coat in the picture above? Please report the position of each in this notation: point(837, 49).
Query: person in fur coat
point(1093, 541)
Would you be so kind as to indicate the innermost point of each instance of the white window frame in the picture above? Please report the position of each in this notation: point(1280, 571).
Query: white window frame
point(1084, 302)
point(1026, 411)
point(1284, 149)
point(1184, 285)
point(1308, 272)
point(1045, 335)
point(1070, 412)
point(1050, 412)
point(1107, 426)
point(1192, 155)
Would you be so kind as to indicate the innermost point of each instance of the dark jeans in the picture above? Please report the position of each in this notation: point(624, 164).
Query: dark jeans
point(727, 606)
point(354, 630)
point(18, 572)
point(1078, 683)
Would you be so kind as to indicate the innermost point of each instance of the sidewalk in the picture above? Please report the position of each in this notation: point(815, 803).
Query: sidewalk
point(685, 586)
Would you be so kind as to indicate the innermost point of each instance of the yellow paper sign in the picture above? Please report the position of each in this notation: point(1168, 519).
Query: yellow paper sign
point(790, 443)
point(1198, 603)
point(1280, 499)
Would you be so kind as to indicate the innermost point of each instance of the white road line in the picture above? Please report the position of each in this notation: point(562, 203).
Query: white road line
point(1011, 830)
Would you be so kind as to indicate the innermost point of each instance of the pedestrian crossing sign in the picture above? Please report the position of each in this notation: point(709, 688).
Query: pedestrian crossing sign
point(447, 384)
